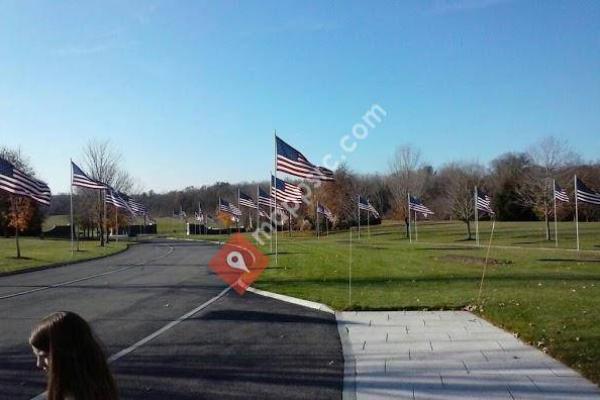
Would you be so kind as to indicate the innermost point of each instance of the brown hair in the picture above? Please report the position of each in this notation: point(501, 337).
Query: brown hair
point(77, 364)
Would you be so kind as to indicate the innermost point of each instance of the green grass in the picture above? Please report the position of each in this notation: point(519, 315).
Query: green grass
point(39, 253)
point(550, 298)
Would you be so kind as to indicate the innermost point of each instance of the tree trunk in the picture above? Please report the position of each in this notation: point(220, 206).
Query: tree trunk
point(468, 229)
point(17, 240)
point(548, 234)
point(407, 227)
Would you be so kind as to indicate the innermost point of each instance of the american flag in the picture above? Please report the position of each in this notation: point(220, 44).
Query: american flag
point(137, 207)
point(321, 209)
point(79, 178)
point(284, 191)
point(14, 181)
point(246, 200)
point(560, 193)
point(291, 161)
point(416, 205)
point(364, 204)
point(586, 194)
point(227, 207)
point(484, 203)
point(116, 199)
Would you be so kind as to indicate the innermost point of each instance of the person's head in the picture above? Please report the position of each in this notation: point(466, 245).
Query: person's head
point(67, 350)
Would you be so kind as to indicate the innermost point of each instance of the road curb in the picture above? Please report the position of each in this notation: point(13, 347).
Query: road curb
point(63, 263)
point(293, 300)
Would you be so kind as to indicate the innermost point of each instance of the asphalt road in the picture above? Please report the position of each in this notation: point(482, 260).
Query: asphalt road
point(235, 347)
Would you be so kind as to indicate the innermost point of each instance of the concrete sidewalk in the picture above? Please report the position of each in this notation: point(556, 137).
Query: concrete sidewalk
point(447, 355)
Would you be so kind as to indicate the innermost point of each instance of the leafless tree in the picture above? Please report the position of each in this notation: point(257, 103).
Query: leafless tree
point(548, 156)
point(406, 176)
point(102, 164)
point(461, 180)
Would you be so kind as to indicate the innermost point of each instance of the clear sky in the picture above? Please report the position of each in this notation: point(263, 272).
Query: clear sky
point(190, 92)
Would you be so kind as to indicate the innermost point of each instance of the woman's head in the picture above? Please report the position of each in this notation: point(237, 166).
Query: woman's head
point(67, 350)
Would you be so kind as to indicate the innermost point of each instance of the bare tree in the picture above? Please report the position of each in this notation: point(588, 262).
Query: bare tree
point(461, 180)
point(102, 163)
point(406, 176)
point(547, 156)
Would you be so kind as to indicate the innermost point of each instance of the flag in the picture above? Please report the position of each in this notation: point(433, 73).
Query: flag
point(14, 181)
point(291, 161)
point(484, 203)
point(227, 207)
point(587, 195)
point(247, 201)
point(321, 209)
point(416, 205)
point(560, 194)
point(115, 198)
point(285, 192)
point(364, 204)
point(79, 178)
point(137, 207)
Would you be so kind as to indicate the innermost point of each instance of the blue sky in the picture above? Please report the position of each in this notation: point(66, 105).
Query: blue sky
point(190, 92)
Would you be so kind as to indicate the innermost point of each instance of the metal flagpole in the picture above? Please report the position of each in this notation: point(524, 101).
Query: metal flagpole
point(555, 217)
point(416, 231)
point(257, 208)
point(369, 220)
point(409, 224)
point(105, 222)
point(317, 219)
point(116, 223)
point(290, 222)
point(72, 227)
point(271, 207)
point(239, 208)
point(476, 218)
point(576, 212)
point(276, 222)
point(358, 212)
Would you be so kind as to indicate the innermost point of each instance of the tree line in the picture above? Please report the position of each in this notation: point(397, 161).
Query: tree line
point(519, 183)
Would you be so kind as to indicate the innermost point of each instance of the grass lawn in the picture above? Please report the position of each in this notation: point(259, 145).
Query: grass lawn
point(550, 298)
point(38, 253)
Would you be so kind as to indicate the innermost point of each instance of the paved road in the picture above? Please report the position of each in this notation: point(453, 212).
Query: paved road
point(236, 347)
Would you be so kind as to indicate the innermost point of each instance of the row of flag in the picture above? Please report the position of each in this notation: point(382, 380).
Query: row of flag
point(111, 196)
point(19, 183)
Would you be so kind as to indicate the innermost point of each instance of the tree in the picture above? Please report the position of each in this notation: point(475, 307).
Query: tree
point(102, 163)
point(18, 212)
point(506, 179)
point(460, 180)
point(547, 157)
point(406, 176)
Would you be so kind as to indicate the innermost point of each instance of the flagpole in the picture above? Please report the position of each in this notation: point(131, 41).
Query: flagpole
point(105, 233)
point(271, 207)
point(476, 218)
point(276, 222)
point(555, 217)
point(408, 211)
point(72, 227)
point(358, 209)
point(257, 208)
point(317, 219)
point(416, 232)
point(239, 208)
point(369, 220)
point(117, 223)
point(576, 211)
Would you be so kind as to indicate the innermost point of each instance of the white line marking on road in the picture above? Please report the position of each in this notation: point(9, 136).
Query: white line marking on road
point(165, 328)
point(155, 334)
point(56, 285)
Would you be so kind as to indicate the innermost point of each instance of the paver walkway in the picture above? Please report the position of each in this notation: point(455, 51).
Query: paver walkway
point(447, 355)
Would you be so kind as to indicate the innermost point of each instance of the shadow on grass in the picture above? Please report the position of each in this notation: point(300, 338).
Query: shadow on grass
point(568, 260)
